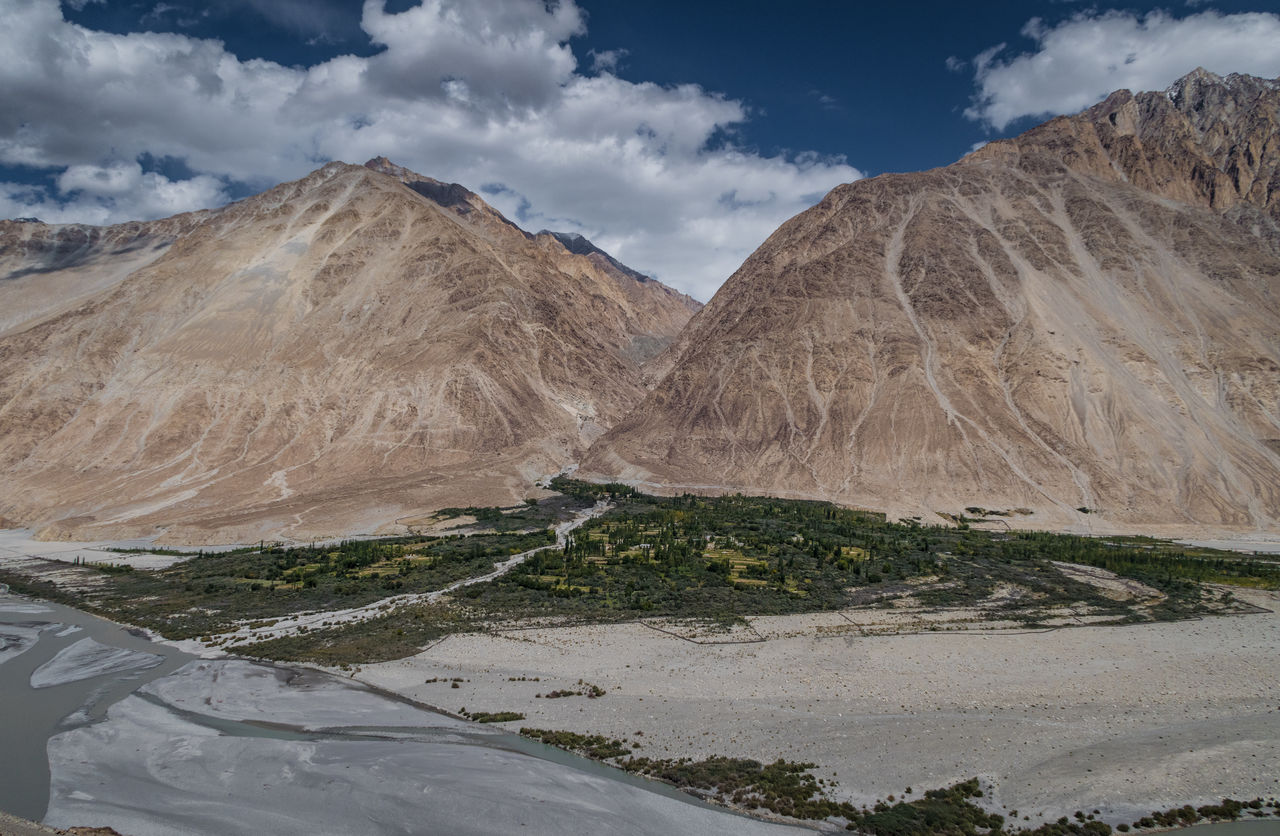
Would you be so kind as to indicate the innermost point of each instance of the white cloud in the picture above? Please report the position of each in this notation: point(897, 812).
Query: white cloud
point(826, 101)
point(477, 93)
point(104, 194)
point(1081, 60)
point(314, 19)
point(606, 61)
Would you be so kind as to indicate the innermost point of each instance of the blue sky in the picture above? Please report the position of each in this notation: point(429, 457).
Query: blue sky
point(675, 135)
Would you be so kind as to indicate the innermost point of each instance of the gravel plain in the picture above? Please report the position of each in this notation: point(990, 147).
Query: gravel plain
point(1124, 719)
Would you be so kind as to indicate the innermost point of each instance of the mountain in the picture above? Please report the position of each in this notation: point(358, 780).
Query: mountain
point(354, 348)
point(1076, 327)
point(579, 245)
point(664, 309)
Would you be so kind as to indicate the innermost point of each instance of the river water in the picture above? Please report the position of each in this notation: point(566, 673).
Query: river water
point(1265, 827)
point(103, 727)
point(30, 716)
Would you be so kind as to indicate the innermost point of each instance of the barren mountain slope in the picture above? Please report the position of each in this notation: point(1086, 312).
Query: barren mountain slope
point(324, 358)
point(658, 313)
point(1013, 331)
point(46, 269)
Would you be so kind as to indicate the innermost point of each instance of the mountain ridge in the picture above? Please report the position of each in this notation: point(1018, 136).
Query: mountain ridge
point(1024, 329)
point(329, 356)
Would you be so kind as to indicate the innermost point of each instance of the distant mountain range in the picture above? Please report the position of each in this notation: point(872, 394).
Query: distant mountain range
point(1077, 327)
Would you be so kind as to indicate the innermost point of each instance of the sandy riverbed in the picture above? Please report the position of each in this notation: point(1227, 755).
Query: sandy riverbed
point(1123, 719)
point(176, 757)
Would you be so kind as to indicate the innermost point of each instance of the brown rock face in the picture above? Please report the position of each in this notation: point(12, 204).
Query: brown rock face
point(1206, 141)
point(1087, 316)
point(339, 352)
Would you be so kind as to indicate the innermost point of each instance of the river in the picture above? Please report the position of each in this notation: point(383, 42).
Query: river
point(100, 726)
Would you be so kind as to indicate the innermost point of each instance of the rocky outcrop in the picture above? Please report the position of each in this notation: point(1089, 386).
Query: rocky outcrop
point(1206, 141)
point(1078, 327)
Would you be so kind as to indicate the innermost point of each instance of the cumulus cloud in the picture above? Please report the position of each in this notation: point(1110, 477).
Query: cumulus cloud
point(103, 194)
point(477, 93)
point(1079, 61)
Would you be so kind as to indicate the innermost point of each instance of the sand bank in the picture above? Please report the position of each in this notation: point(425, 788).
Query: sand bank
point(87, 659)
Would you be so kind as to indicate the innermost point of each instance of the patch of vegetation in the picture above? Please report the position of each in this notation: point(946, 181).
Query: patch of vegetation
point(207, 594)
point(185, 552)
point(527, 516)
point(718, 559)
point(37, 587)
point(1159, 563)
point(493, 717)
point(789, 788)
point(586, 690)
point(110, 568)
point(709, 559)
point(783, 787)
point(949, 811)
point(979, 512)
point(590, 745)
point(592, 491)
point(1229, 809)
point(952, 811)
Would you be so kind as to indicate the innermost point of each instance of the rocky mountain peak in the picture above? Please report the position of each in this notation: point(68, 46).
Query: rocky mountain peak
point(1203, 92)
point(1206, 140)
point(452, 196)
point(579, 244)
point(467, 204)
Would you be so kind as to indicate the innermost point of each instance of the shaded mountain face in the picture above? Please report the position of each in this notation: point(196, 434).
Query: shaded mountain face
point(580, 245)
point(335, 354)
point(1084, 317)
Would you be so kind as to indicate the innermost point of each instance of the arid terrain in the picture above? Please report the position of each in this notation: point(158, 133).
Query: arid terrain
point(331, 356)
point(1078, 327)
point(336, 498)
point(1122, 719)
